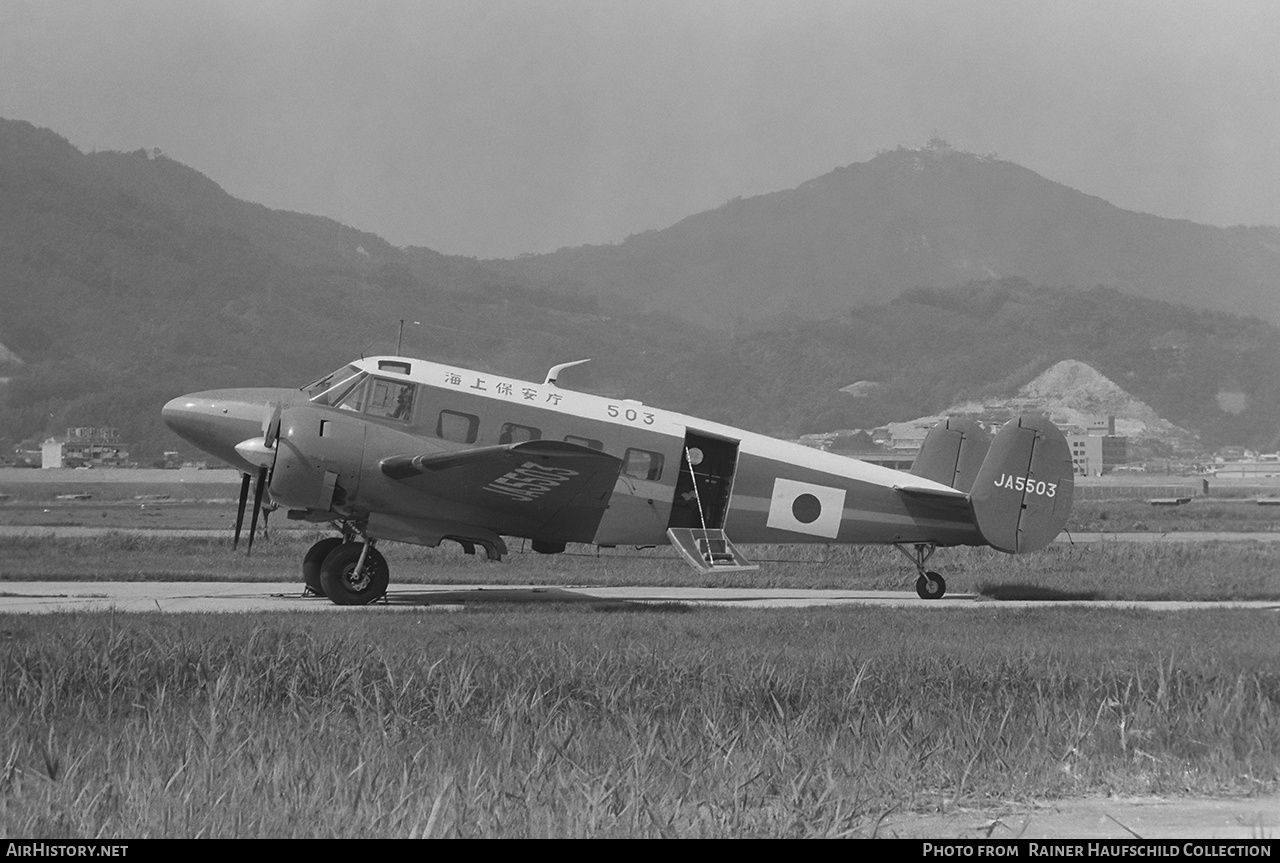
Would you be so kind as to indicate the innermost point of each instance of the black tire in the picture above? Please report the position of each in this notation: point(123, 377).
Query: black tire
point(343, 585)
point(314, 559)
point(931, 586)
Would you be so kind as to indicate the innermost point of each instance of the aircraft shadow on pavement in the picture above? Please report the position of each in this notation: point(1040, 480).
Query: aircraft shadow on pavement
point(1036, 592)
point(527, 596)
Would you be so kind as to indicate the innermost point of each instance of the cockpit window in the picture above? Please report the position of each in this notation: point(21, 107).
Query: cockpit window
point(350, 396)
point(334, 388)
point(312, 390)
point(390, 399)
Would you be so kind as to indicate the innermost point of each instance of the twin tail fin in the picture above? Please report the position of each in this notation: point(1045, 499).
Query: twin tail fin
point(1020, 484)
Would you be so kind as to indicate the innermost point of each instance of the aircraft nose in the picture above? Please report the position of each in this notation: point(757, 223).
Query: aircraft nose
point(182, 416)
point(215, 422)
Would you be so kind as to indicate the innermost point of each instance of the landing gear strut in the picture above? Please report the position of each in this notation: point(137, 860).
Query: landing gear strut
point(354, 573)
point(930, 585)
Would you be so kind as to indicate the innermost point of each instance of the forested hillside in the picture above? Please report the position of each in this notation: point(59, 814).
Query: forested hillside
point(1215, 373)
point(127, 279)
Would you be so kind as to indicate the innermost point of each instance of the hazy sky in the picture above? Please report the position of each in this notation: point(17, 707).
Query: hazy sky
point(495, 127)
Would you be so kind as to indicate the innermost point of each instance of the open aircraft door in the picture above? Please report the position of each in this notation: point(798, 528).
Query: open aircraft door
point(701, 503)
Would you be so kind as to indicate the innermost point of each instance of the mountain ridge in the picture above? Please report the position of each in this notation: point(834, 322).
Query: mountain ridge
point(933, 217)
point(128, 278)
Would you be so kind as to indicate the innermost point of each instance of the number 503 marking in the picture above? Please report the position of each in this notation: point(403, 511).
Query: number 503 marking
point(630, 414)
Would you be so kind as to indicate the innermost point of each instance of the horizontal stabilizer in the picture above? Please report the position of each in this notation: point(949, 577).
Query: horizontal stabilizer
point(943, 497)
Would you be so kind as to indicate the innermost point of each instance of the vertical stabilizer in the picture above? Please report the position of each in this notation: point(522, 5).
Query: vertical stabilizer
point(952, 453)
point(1022, 494)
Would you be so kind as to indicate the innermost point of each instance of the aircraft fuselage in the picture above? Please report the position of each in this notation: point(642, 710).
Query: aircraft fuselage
point(758, 489)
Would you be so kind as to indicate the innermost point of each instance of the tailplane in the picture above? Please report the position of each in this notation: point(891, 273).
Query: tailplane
point(1021, 496)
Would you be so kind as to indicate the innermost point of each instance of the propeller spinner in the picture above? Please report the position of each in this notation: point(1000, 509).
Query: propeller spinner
point(261, 452)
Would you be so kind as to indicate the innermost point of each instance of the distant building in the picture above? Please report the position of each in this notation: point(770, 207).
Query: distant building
point(1097, 449)
point(907, 442)
point(1102, 426)
point(85, 447)
point(1115, 451)
point(1086, 453)
point(1264, 466)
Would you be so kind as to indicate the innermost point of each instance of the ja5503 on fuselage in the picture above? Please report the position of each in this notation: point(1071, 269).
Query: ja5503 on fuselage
point(402, 449)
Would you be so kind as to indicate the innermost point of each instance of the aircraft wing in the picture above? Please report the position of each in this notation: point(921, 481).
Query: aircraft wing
point(554, 490)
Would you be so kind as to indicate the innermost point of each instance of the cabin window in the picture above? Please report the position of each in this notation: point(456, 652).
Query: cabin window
point(584, 441)
point(458, 427)
point(390, 399)
point(393, 366)
point(642, 464)
point(515, 433)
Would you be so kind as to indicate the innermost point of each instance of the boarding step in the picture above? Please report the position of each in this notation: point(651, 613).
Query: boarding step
point(708, 550)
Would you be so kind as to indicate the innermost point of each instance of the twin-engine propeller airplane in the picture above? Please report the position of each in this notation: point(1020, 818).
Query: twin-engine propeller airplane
point(393, 448)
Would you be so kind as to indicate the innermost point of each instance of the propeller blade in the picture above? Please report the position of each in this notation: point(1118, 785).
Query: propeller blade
point(271, 426)
point(257, 505)
point(244, 498)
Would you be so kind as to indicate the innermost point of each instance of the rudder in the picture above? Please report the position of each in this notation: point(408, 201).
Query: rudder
point(1022, 494)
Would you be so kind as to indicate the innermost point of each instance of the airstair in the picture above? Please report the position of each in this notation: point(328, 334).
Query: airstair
point(708, 550)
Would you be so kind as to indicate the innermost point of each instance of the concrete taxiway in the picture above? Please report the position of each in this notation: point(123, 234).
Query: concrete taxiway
point(31, 597)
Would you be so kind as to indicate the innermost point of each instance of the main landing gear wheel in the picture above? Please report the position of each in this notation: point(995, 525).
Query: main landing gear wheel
point(344, 585)
point(931, 585)
point(314, 559)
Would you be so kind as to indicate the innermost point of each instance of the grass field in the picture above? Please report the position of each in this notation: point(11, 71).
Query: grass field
point(562, 722)
point(1203, 514)
point(557, 720)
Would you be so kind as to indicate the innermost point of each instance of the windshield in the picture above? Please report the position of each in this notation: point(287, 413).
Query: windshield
point(331, 388)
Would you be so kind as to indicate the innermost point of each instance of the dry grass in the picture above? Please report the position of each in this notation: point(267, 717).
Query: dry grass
point(562, 722)
point(1201, 514)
